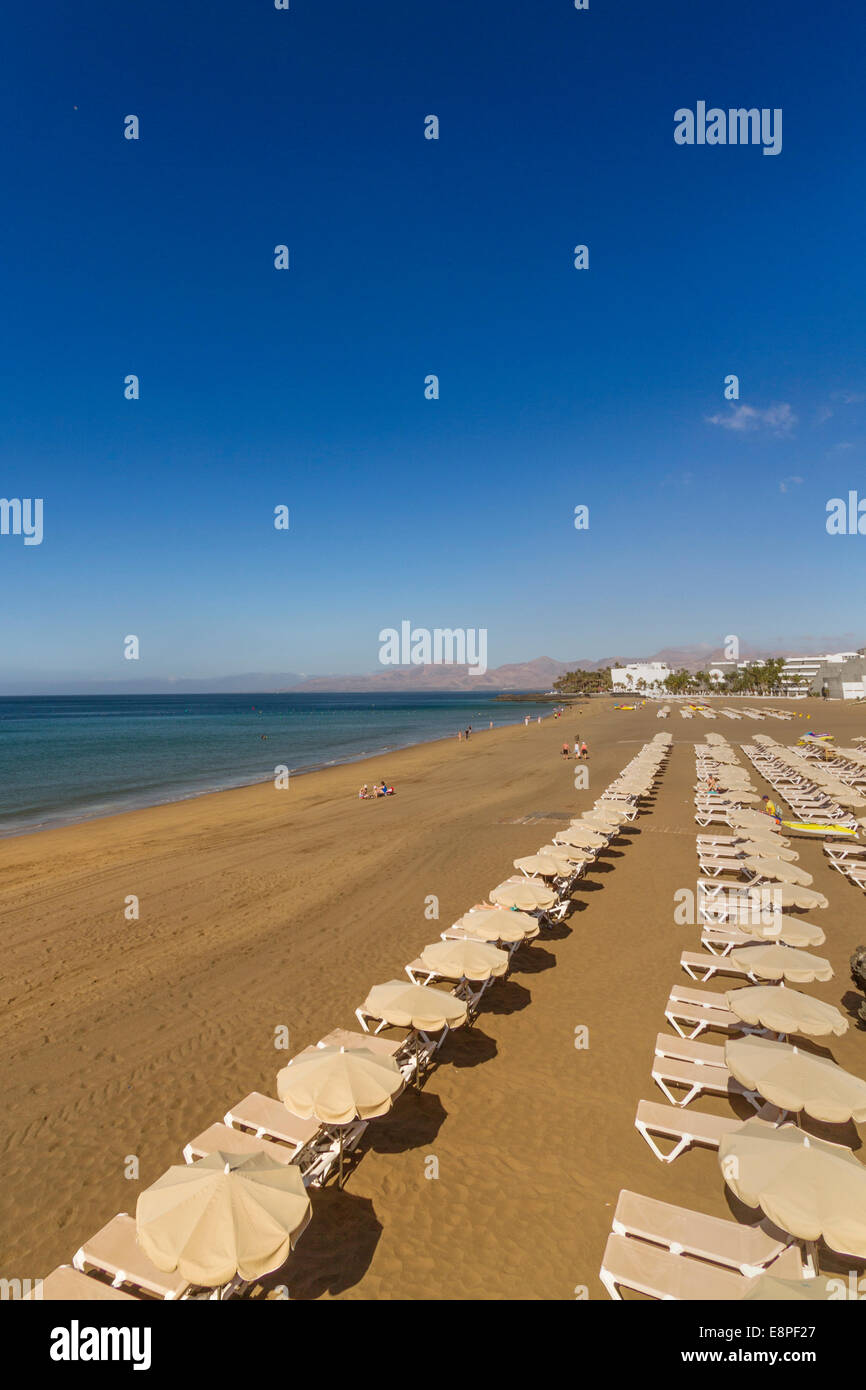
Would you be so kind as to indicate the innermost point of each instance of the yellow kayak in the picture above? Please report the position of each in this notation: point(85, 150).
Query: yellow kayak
point(806, 827)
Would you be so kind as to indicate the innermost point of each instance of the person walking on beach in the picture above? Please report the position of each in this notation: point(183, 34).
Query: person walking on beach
point(565, 750)
point(584, 752)
point(576, 748)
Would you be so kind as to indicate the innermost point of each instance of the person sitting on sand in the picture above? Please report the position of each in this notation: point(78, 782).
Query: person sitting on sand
point(364, 793)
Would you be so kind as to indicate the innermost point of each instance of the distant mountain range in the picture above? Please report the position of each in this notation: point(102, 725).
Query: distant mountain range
point(526, 675)
point(538, 674)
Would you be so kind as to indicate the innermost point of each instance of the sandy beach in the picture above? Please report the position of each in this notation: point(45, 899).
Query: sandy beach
point(261, 908)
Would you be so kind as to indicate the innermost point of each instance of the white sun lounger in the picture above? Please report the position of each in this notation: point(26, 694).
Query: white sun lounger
point(647, 1269)
point(704, 967)
point(65, 1284)
point(691, 1008)
point(690, 1128)
point(472, 992)
point(686, 1128)
point(746, 1249)
point(115, 1251)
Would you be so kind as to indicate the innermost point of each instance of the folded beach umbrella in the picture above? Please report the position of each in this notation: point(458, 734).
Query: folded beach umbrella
point(786, 1011)
point(465, 960)
point(779, 869)
point(415, 1006)
point(223, 1216)
point(497, 924)
point(804, 1185)
point(796, 1080)
point(780, 927)
point(778, 962)
point(526, 894)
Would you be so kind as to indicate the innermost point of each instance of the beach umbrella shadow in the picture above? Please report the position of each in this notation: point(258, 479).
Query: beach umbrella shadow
point(532, 962)
point(337, 1248)
point(509, 998)
point(413, 1123)
point(558, 931)
point(469, 1048)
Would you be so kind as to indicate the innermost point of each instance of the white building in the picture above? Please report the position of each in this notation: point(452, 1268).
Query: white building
point(809, 674)
point(640, 675)
point(841, 672)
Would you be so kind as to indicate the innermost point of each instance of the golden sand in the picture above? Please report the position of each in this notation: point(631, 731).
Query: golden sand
point(261, 908)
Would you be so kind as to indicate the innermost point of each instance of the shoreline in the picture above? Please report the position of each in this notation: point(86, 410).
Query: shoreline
point(86, 817)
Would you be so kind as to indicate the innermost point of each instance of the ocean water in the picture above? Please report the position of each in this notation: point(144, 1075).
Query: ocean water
point(69, 758)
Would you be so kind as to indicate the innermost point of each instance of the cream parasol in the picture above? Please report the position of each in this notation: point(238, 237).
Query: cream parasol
point(222, 1217)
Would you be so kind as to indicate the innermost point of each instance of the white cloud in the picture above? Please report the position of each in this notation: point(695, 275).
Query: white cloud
point(778, 418)
point(787, 482)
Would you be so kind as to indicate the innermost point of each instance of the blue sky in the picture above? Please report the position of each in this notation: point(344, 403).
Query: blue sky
point(410, 257)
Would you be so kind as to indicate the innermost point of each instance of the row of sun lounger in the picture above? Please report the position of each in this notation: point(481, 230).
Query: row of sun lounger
point(112, 1265)
point(669, 1252)
point(806, 799)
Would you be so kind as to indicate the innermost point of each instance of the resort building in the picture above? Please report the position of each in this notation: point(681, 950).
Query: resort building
point(843, 674)
point(640, 675)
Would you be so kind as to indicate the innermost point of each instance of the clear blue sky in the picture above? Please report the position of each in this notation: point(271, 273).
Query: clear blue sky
point(411, 257)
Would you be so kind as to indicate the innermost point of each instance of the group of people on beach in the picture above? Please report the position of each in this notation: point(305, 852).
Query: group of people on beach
point(580, 750)
point(365, 794)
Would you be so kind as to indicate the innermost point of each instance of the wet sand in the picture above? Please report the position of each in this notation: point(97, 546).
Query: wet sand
point(261, 908)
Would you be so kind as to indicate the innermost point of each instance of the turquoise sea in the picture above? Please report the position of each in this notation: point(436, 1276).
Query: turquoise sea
point(69, 758)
